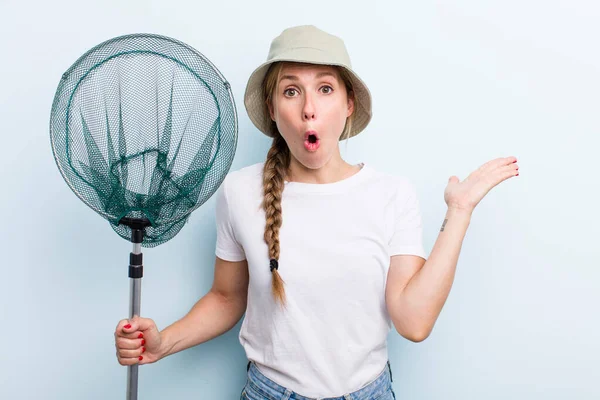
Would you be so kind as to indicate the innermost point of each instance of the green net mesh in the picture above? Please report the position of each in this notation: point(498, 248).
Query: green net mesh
point(144, 126)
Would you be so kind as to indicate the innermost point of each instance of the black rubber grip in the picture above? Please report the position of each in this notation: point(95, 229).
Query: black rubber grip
point(135, 259)
point(136, 271)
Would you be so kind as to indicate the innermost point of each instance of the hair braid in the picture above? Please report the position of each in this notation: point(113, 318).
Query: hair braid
point(274, 173)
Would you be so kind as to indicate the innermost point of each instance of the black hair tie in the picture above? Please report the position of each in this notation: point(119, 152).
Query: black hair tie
point(274, 264)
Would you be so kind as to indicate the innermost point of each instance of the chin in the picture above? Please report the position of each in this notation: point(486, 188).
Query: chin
point(313, 161)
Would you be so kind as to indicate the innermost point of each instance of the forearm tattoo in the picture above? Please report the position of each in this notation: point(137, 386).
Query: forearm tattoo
point(443, 225)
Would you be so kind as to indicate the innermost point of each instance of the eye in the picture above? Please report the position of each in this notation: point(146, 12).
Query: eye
point(290, 92)
point(326, 89)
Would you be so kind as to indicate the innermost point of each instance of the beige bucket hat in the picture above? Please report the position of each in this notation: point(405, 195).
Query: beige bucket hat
point(306, 44)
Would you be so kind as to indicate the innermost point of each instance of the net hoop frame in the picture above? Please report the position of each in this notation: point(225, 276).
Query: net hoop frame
point(59, 93)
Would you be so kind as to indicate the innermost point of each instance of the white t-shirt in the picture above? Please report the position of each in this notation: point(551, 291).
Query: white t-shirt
point(336, 240)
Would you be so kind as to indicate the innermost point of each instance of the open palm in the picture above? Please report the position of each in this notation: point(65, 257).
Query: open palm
point(467, 194)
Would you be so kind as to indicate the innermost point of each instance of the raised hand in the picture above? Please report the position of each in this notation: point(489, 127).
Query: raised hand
point(467, 194)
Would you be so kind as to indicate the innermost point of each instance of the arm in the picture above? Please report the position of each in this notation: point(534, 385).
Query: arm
point(417, 289)
point(215, 313)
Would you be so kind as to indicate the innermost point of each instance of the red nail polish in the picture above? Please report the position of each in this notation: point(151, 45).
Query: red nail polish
point(141, 335)
point(514, 161)
point(517, 175)
point(143, 342)
point(141, 358)
point(143, 349)
point(127, 326)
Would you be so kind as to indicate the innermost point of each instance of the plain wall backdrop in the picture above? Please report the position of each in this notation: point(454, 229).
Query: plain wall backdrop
point(454, 84)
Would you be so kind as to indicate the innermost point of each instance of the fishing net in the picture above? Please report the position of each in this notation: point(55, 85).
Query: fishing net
point(144, 130)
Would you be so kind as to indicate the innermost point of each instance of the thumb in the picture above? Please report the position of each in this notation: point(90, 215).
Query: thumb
point(139, 324)
point(453, 179)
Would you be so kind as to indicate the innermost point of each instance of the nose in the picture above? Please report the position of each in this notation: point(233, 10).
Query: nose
point(308, 111)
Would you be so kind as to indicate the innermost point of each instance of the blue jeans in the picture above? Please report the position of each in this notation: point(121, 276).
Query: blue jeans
point(259, 387)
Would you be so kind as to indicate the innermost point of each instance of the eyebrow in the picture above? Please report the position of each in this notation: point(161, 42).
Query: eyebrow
point(295, 78)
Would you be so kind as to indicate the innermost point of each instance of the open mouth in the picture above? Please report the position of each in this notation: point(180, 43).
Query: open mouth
point(311, 141)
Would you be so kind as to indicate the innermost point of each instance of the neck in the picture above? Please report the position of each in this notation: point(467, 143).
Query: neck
point(334, 170)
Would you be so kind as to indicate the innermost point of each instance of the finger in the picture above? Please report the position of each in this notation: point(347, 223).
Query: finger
point(485, 169)
point(131, 361)
point(506, 172)
point(138, 324)
point(132, 335)
point(498, 163)
point(123, 353)
point(128, 328)
point(488, 165)
point(453, 179)
point(121, 324)
point(509, 168)
point(123, 343)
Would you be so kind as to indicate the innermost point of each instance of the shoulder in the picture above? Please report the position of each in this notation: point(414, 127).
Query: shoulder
point(244, 176)
point(396, 182)
point(244, 179)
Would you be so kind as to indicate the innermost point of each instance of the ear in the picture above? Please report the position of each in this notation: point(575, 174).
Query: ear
point(350, 104)
point(271, 111)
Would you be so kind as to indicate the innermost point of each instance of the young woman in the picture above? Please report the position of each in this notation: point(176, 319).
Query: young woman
point(322, 256)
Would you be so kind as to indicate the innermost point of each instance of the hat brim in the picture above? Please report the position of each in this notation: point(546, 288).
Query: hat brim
point(255, 106)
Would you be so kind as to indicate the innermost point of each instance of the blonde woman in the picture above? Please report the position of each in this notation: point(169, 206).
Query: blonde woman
point(322, 256)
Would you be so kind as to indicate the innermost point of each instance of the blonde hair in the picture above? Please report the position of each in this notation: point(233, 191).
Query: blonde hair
point(275, 171)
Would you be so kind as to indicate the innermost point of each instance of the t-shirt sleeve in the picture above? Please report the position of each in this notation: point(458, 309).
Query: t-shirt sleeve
point(228, 247)
point(407, 236)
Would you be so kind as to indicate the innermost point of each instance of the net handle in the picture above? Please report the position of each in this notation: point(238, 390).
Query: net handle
point(136, 272)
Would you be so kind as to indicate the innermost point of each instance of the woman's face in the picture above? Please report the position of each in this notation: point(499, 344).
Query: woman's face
point(310, 106)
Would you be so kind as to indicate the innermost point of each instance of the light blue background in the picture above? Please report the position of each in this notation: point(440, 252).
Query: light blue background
point(455, 84)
